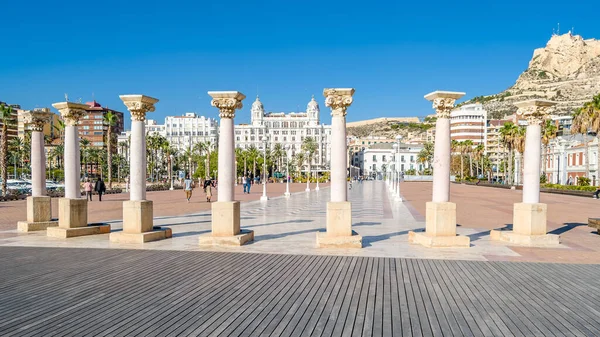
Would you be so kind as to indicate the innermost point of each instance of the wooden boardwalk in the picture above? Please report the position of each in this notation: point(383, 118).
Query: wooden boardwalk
point(95, 292)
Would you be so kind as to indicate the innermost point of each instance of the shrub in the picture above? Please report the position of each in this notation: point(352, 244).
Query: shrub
point(570, 187)
point(543, 179)
point(583, 181)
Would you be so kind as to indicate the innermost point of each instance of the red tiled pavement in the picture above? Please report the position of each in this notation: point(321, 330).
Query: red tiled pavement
point(488, 208)
point(166, 203)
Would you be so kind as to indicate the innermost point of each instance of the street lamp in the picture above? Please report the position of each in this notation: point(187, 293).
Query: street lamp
point(397, 183)
point(171, 172)
point(308, 172)
point(264, 197)
point(287, 172)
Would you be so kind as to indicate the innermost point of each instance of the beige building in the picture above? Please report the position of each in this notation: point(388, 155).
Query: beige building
point(50, 129)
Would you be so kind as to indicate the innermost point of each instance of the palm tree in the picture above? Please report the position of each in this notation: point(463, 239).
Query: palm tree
point(17, 151)
point(548, 133)
point(85, 144)
point(596, 128)
point(468, 147)
point(309, 146)
point(479, 151)
point(253, 154)
point(300, 157)
point(7, 118)
point(519, 145)
point(582, 119)
point(277, 154)
point(507, 134)
point(110, 120)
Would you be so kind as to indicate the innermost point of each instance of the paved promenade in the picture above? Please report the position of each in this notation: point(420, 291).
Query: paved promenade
point(290, 225)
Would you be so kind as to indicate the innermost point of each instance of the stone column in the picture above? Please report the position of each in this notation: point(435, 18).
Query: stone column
point(39, 210)
point(72, 209)
point(339, 210)
point(440, 225)
point(529, 216)
point(138, 213)
point(226, 211)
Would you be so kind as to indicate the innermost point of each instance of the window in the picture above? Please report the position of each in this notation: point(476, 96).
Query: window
point(402, 159)
point(383, 158)
point(98, 127)
point(85, 127)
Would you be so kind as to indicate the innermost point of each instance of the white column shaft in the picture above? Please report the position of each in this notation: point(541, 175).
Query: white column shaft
point(71, 161)
point(338, 159)
point(441, 161)
point(38, 164)
point(531, 169)
point(137, 186)
point(226, 155)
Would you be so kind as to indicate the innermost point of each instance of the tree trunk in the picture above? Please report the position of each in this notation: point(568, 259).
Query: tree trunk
point(4, 157)
point(596, 183)
point(470, 164)
point(462, 166)
point(109, 157)
point(587, 162)
point(510, 167)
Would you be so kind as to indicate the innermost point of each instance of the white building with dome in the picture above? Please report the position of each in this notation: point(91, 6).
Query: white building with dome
point(289, 130)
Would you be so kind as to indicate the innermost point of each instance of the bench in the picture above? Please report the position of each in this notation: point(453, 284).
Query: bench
point(594, 223)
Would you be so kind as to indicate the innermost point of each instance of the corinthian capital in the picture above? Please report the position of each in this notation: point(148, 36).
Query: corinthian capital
point(443, 102)
point(227, 102)
point(36, 119)
point(534, 111)
point(138, 105)
point(70, 112)
point(338, 100)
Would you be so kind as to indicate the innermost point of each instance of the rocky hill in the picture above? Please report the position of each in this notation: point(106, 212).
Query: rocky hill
point(567, 71)
point(389, 128)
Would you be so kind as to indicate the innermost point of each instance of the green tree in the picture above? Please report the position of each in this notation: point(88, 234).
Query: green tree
point(7, 118)
point(508, 132)
point(582, 122)
point(548, 133)
point(110, 120)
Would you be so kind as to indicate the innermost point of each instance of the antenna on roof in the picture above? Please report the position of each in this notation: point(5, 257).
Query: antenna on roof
point(558, 30)
point(66, 97)
point(93, 98)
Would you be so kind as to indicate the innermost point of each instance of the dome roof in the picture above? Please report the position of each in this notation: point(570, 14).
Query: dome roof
point(257, 104)
point(313, 104)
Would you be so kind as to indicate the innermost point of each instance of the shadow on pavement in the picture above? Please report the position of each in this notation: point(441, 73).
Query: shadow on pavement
point(367, 240)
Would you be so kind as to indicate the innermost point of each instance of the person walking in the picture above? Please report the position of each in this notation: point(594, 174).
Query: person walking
point(100, 188)
point(87, 187)
point(188, 187)
point(244, 182)
point(208, 185)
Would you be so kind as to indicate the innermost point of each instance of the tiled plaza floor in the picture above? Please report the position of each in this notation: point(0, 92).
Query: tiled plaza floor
point(290, 225)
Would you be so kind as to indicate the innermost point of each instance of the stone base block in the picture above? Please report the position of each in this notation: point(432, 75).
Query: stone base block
point(427, 240)
point(24, 226)
point(72, 213)
point(440, 219)
point(225, 218)
point(529, 219)
point(242, 238)
point(157, 233)
point(63, 233)
point(138, 216)
point(544, 240)
point(339, 219)
point(350, 241)
point(39, 209)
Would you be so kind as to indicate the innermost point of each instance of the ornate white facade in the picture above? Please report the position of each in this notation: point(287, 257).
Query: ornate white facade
point(289, 130)
point(183, 132)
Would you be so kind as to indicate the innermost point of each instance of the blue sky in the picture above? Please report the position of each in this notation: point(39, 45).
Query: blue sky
point(392, 52)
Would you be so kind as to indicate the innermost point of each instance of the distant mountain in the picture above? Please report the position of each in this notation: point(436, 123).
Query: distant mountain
point(567, 71)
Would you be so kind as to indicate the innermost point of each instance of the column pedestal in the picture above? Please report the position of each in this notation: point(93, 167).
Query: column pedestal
point(39, 215)
point(440, 228)
point(138, 224)
point(72, 220)
point(226, 226)
point(339, 228)
point(529, 227)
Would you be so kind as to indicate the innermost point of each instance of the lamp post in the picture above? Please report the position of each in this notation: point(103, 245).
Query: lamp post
point(308, 172)
point(287, 172)
point(397, 183)
point(264, 197)
point(171, 172)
